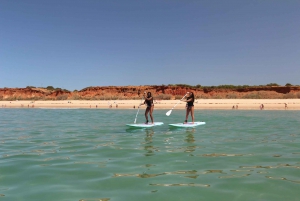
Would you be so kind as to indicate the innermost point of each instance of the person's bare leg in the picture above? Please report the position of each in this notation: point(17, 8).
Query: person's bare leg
point(192, 114)
point(151, 112)
point(146, 114)
point(187, 114)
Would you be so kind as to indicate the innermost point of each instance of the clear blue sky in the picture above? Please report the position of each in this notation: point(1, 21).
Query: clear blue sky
point(74, 44)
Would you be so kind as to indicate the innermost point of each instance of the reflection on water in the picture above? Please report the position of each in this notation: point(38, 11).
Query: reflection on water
point(150, 149)
point(190, 184)
point(190, 138)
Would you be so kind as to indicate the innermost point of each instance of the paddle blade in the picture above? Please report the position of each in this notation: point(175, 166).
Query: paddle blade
point(169, 112)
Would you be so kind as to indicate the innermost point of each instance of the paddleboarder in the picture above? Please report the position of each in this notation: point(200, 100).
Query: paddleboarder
point(150, 106)
point(189, 106)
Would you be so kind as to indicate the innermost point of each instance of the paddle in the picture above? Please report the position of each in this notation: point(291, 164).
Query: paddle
point(169, 112)
point(138, 110)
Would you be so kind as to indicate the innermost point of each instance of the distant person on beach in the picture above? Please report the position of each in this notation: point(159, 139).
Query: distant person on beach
point(236, 107)
point(150, 106)
point(189, 106)
point(285, 106)
point(134, 107)
point(233, 107)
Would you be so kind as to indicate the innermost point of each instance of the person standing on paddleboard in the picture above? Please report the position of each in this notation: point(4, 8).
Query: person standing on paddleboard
point(150, 106)
point(189, 106)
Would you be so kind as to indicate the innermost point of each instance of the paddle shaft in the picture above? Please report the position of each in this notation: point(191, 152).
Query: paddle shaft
point(169, 112)
point(178, 102)
point(138, 111)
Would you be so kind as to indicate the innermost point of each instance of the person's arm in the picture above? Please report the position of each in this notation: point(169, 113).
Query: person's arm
point(148, 99)
point(188, 100)
point(142, 103)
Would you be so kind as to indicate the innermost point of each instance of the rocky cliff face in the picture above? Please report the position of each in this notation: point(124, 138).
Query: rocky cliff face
point(159, 92)
point(32, 94)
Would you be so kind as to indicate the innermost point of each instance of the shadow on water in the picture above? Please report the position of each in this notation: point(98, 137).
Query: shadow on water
point(137, 129)
point(182, 130)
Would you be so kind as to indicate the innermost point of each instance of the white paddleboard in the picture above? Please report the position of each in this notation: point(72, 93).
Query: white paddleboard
point(188, 124)
point(145, 125)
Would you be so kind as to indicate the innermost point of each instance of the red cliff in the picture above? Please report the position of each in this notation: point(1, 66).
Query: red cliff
point(159, 92)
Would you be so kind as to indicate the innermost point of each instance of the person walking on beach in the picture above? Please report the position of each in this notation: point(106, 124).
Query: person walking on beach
point(189, 106)
point(150, 106)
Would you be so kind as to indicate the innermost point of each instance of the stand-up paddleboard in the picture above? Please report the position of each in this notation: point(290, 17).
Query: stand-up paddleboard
point(188, 124)
point(145, 125)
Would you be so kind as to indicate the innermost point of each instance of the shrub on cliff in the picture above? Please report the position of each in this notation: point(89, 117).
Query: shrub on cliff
point(273, 84)
point(50, 88)
point(11, 98)
point(62, 97)
point(201, 96)
point(231, 96)
point(253, 95)
point(163, 97)
point(178, 97)
point(75, 97)
point(289, 96)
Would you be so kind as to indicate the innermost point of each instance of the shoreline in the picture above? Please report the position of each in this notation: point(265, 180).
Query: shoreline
point(200, 104)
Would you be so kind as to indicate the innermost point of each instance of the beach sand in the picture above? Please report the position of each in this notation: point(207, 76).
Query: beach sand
point(224, 104)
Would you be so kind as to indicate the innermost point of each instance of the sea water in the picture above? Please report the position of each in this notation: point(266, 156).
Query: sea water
point(90, 154)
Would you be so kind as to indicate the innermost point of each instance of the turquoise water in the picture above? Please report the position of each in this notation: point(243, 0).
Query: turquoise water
point(78, 154)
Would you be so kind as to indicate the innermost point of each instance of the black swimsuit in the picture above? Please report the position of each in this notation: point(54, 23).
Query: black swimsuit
point(190, 104)
point(149, 102)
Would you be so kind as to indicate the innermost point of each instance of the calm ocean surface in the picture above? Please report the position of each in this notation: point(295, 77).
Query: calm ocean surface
point(89, 155)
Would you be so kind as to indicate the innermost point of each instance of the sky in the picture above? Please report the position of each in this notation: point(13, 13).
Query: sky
point(75, 44)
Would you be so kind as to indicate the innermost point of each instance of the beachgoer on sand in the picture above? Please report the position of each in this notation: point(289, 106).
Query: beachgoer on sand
point(189, 106)
point(150, 106)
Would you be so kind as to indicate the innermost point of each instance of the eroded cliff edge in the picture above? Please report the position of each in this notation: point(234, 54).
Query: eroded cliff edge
point(159, 92)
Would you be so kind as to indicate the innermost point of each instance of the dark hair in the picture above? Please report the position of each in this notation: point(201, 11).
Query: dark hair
point(192, 96)
point(149, 93)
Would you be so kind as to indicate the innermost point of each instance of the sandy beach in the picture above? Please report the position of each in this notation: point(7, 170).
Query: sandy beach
point(224, 104)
